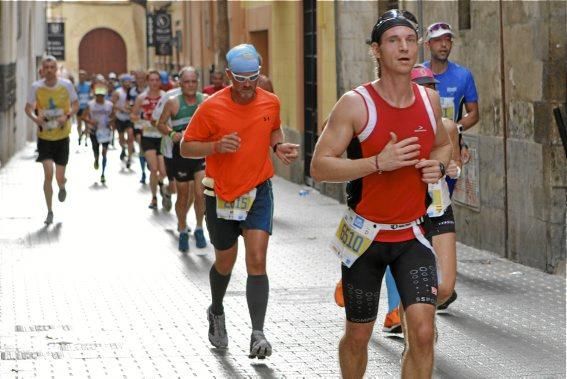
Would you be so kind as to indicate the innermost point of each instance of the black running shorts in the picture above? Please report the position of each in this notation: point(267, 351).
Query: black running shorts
point(413, 268)
point(57, 151)
point(122, 126)
point(442, 224)
point(149, 143)
point(184, 169)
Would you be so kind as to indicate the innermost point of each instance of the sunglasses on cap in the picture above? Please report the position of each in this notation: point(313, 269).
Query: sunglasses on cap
point(394, 14)
point(243, 78)
point(439, 26)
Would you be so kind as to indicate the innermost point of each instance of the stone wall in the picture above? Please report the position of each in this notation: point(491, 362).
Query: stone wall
point(22, 36)
point(521, 162)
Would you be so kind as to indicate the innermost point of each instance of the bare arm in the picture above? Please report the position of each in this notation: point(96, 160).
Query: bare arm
point(162, 124)
point(441, 151)
point(471, 117)
point(346, 119)
point(286, 152)
point(135, 113)
point(455, 165)
point(30, 112)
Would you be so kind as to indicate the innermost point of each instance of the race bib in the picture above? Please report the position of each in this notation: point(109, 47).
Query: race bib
point(103, 135)
point(51, 116)
point(353, 237)
point(440, 199)
point(238, 209)
point(448, 107)
point(148, 130)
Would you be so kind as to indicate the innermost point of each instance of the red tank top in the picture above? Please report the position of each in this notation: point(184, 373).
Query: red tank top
point(393, 197)
point(148, 106)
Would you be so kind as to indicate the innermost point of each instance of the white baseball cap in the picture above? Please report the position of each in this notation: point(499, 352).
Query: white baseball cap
point(438, 29)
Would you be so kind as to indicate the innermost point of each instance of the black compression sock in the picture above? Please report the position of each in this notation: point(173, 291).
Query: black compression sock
point(257, 291)
point(219, 283)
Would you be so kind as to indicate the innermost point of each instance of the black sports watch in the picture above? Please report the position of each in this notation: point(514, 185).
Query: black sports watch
point(442, 168)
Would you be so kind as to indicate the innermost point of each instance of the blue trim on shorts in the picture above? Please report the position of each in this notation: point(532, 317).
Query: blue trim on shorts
point(261, 214)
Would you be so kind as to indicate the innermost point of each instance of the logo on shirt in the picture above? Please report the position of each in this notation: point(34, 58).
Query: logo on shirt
point(451, 89)
point(420, 129)
point(267, 118)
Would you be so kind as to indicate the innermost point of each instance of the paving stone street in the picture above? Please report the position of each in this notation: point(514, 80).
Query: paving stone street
point(104, 292)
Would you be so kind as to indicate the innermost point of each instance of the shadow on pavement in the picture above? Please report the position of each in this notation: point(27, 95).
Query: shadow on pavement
point(46, 234)
point(263, 370)
point(96, 186)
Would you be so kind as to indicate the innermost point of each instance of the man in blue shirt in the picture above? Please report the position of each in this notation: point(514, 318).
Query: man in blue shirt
point(456, 83)
point(84, 93)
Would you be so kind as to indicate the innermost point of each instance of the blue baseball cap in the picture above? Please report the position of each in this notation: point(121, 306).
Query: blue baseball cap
point(243, 58)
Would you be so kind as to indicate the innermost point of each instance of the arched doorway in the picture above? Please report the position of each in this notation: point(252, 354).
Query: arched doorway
point(101, 51)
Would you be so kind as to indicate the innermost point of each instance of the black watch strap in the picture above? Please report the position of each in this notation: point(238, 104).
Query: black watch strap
point(275, 147)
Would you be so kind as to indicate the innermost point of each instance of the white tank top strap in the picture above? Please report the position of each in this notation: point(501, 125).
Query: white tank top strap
point(371, 111)
point(428, 107)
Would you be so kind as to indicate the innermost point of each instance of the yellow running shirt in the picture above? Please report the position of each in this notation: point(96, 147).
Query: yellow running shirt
point(52, 102)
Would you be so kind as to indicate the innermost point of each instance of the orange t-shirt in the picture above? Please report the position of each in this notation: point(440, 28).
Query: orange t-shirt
point(239, 172)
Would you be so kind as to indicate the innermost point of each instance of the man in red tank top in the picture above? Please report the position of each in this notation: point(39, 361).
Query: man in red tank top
point(394, 149)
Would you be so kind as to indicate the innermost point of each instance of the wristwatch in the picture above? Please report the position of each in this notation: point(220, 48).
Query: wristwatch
point(442, 168)
point(460, 128)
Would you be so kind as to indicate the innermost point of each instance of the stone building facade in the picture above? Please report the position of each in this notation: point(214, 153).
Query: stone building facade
point(22, 43)
point(513, 196)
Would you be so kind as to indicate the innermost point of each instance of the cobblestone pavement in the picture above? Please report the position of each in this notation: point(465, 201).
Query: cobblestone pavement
point(103, 292)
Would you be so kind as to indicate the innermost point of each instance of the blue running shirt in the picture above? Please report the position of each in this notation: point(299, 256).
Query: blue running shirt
point(456, 87)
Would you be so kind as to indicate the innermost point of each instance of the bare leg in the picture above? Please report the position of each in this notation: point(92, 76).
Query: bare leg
point(182, 205)
point(420, 335)
point(445, 246)
point(198, 190)
point(151, 157)
point(353, 349)
point(47, 179)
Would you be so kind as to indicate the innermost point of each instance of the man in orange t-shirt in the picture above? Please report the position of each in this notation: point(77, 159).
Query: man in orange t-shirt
point(235, 130)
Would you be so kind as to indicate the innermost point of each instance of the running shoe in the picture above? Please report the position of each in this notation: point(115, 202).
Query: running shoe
point(392, 322)
point(217, 329)
point(102, 179)
point(339, 298)
point(259, 346)
point(62, 195)
point(451, 299)
point(143, 180)
point(96, 164)
point(153, 204)
point(184, 242)
point(122, 155)
point(166, 200)
point(49, 218)
point(128, 163)
point(200, 238)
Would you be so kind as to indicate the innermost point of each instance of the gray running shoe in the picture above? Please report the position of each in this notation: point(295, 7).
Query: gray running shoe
point(62, 195)
point(259, 346)
point(49, 218)
point(217, 330)
point(166, 201)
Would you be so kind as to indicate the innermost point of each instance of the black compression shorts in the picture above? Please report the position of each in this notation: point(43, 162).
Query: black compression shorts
point(413, 268)
point(442, 224)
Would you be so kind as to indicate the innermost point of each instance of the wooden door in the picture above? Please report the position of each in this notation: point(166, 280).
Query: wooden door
point(102, 51)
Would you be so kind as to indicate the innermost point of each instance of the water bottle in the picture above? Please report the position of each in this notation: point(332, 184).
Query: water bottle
point(303, 192)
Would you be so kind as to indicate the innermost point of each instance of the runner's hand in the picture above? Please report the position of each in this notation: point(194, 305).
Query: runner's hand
point(396, 154)
point(452, 169)
point(430, 170)
point(176, 137)
point(287, 152)
point(61, 120)
point(227, 144)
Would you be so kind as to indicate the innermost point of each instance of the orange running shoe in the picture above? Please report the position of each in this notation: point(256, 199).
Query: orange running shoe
point(392, 323)
point(339, 298)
